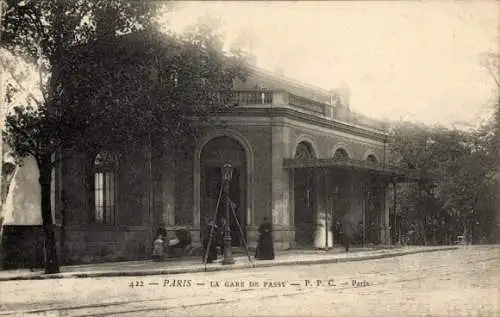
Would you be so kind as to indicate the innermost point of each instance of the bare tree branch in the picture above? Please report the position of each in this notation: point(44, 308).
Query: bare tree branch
point(19, 83)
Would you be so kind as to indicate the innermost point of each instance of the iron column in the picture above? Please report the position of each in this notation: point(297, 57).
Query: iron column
point(227, 173)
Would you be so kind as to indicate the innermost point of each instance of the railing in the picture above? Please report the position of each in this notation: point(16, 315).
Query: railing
point(252, 97)
point(279, 97)
point(307, 104)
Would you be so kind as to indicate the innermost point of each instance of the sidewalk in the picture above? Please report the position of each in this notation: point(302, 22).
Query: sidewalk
point(194, 265)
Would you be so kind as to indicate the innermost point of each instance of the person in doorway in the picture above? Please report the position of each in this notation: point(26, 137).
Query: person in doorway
point(265, 248)
point(337, 230)
point(348, 230)
point(210, 242)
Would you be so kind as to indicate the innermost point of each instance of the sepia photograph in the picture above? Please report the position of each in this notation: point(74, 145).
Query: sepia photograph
point(249, 158)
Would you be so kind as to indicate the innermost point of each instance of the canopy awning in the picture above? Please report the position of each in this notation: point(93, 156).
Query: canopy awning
point(396, 173)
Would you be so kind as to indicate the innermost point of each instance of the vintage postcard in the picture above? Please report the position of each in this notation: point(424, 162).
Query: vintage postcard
point(249, 158)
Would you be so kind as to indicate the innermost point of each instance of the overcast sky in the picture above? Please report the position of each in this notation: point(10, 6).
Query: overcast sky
point(413, 60)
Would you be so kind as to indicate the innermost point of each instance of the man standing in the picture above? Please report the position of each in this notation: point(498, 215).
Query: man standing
point(348, 230)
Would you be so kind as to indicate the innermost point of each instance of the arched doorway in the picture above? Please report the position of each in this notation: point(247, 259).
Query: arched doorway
point(341, 179)
point(214, 154)
point(304, 198)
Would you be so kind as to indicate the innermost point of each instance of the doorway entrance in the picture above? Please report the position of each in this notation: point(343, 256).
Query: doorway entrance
point(214, 155)
point(305, 202)
point(373, 206)
point(304, 207)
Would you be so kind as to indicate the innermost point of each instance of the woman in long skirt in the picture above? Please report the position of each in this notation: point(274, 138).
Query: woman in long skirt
point(265, 247)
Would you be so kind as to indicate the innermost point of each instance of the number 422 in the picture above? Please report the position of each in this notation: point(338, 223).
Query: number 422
point(136, 284)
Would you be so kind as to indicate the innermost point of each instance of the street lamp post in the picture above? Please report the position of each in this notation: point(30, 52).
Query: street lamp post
point(227, 174)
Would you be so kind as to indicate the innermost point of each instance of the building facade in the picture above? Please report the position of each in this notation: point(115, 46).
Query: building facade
point(299, 156)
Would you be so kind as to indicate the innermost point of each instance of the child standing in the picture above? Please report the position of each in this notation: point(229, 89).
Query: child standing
point(158, 249)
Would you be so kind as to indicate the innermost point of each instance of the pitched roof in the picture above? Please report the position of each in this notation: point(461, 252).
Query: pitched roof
point(292, 82)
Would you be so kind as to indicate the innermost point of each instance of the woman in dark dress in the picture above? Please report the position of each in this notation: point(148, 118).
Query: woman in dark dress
point(265, 247)
point(210, 242)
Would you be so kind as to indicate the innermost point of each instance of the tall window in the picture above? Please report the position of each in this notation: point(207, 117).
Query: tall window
point(105, 188)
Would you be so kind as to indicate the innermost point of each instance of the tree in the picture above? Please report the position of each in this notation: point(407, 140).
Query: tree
point(114, 82)
point(462, 163)
point(43, 32)
point(491, 62)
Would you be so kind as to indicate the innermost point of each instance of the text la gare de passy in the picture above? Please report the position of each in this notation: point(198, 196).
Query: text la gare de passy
point(249, 284)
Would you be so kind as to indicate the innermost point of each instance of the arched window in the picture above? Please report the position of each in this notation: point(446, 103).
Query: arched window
point(105, 193)
point(303, 151)
point(340, 155)
point(372, 159)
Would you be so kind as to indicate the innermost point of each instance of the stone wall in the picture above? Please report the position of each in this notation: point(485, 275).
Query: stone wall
point(172, 182)
point(96, 244)
point(130, 237)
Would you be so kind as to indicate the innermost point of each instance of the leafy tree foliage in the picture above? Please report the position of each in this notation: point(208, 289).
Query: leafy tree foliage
point(115, 82)
point(491, 62)
point(464, 165)
point(44, 32)
point(120, 92)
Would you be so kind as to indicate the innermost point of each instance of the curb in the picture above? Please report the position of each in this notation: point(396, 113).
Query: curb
point(200, 269)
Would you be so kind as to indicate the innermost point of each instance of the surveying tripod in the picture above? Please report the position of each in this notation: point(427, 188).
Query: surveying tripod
point(211, 235)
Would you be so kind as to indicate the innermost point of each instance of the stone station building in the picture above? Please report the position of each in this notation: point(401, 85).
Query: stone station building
point(298, 153)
